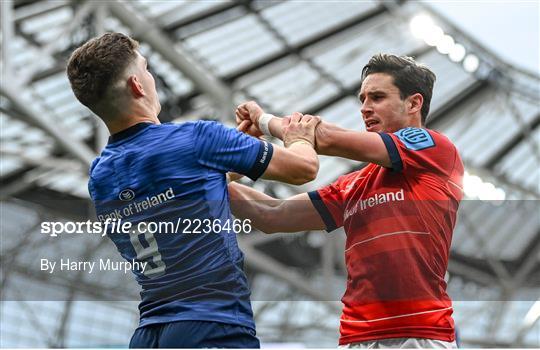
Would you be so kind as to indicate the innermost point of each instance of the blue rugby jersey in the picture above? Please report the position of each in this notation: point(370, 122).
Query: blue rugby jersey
point(162, 173)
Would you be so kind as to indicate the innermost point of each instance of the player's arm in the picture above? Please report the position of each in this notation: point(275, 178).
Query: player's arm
point(271, 215)
point(364, 146)
point(228, 150)
point(296, 165)
point(329, 138)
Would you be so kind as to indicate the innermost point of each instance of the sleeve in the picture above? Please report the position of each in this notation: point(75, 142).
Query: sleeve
point(420, 149)
point(329, 203)
point(226, 149)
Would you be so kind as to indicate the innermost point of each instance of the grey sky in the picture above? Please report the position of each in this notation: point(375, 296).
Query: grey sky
point(508, 28)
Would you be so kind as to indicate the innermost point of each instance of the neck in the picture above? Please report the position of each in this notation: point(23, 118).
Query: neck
point(135, 116)
point(118, 126)
point(416, 122)
point(417, 125)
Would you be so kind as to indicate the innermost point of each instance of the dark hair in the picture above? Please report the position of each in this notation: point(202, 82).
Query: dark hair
point(95, 66)
point(409, 77)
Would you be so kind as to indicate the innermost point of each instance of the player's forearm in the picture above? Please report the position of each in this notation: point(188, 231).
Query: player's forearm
point(276, 128)
point(270, 215)
point(326, 135)
point(331, 140)
point(248, 203)
point(296, 163)
point(303, 164)
point(327, 138)
point(239, 192)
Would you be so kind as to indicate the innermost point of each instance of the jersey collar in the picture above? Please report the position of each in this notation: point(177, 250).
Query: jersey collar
point(132, 130)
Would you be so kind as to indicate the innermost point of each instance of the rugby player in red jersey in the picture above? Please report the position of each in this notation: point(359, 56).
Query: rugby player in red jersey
point(398, 212)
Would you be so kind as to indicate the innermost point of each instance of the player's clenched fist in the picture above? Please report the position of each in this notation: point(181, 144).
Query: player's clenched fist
point(247, 118)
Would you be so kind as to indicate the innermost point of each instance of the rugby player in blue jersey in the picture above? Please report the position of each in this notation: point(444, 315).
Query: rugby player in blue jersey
point(194, 290)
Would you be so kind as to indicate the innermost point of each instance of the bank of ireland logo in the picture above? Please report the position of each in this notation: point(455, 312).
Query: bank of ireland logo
point(415, 138)
point(126, 195)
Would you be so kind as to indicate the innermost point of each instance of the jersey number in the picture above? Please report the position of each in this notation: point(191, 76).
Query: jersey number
point(145, 246)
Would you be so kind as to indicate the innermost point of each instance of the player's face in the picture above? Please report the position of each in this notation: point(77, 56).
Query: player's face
point(148, 83)
point(382, 106)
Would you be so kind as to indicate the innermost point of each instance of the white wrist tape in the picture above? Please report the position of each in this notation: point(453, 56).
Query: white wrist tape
point(305, 142)
point(264, 121)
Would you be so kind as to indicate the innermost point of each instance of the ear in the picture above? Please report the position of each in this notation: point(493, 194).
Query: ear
point(415, 102)
point(135, 86)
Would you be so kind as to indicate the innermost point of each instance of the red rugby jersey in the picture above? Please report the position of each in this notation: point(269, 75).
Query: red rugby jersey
point(399, 225)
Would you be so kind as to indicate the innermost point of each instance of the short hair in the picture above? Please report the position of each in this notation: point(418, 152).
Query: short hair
point(409, 76)
point(97, 65)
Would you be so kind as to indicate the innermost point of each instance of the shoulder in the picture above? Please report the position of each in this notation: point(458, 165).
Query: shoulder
point(215, 134)
point(417, 139)
point(207, 125)
point(209, 130)
point(174, 127)
point(441, 138)
point(202, 128)
point(174, 132)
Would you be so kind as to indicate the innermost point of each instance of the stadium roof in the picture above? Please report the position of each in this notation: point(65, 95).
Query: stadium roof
point(208, 56)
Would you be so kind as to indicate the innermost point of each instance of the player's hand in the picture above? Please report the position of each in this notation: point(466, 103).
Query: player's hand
point(249, 111)
point(300, 128)
point(232, 176)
